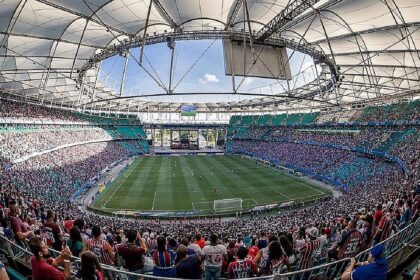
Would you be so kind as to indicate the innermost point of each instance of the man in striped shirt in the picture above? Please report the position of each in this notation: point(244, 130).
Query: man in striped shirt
point(307, 252)
point(241, 268)
point(100, 247)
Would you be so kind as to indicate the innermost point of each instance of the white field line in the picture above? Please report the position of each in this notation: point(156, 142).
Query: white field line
point(154, 198)
point(274, 189)
point(304, 184)
point(125, 178)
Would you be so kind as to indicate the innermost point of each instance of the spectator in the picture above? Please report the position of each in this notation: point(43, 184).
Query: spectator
point(262, 241)
point(242, 268)
point(75, 241)
point(3, 272)
point(52, 232)
point(273, 262)
point(19, 228)
point(164, 263)
point(194, 246)
point(199, 240)
point(43, 266)
point(101, 248)
point(375, 268)
point(349, 243)
point(90, 267)
point(406, 216)
point(213, 255)
point(263, 253)
point(186, 243)
point(131, 253)
point(189, 266)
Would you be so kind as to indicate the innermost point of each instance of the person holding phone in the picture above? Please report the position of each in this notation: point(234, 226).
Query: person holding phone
point(44, 267)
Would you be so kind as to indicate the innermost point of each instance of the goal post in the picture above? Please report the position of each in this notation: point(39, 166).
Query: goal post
point(227, 205)
point(202, 206)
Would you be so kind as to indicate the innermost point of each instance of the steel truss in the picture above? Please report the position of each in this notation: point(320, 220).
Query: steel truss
point(292, 10)
point(136, 42)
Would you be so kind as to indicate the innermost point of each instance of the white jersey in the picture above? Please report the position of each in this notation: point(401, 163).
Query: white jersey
point(214, 255)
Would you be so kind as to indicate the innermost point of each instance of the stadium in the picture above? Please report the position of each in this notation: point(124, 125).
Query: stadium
point(209, 139)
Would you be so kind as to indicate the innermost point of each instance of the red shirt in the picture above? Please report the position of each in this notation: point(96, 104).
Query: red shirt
point(53, 235)
point(17, 225)
point(378, 216)
point(241, 269)
point(68, 224)
point(253, 251)
point(327, 231)
point(132, 255)
point(43, 270)
point(201, 243)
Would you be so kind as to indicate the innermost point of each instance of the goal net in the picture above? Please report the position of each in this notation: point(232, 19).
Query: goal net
point(225, 205)
point(202, 206)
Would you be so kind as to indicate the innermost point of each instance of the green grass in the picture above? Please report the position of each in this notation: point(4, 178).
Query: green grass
point(172, 183)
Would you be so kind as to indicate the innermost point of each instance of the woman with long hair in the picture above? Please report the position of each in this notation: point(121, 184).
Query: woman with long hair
point(90, 267)
point(75, 242)
point(274, 262)
point(287, 248)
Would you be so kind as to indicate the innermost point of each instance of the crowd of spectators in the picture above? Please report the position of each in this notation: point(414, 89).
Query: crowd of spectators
point(28, 112)
point(406, 111)
point(23, 142)
point(35, 199)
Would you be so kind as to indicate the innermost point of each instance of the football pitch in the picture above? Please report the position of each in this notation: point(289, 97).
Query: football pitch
point(178, 183)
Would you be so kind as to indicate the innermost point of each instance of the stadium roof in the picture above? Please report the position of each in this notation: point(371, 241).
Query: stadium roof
point(50, 49)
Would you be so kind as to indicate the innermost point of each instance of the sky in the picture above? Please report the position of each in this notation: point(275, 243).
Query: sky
point(207, 74)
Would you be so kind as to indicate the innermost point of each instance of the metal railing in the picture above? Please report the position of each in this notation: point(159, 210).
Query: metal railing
point(395, 244)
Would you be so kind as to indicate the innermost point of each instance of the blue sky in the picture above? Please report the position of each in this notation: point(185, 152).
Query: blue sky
point(208, 75)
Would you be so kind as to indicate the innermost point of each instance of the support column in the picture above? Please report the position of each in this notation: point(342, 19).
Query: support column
point(127, 55)
point(207, 137)
point(96, 81)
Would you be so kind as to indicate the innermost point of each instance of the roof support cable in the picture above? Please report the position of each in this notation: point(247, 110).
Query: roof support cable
point(78, 48)
point(251, 37)
point(135, 59)
point(144, 33)
point(154, 71)
point(193, 65)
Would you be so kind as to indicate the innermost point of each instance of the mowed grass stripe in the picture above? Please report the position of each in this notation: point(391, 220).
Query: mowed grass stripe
point(206, 182)
point(107, 199)
point(225, 187)
point(181, 200)
point(204, 174)
point(119, 200)
point(130, 193)
point(198, 184)
point(281, 187)
point(150, 184)
point(287, 186)
point(233, 186)
point(262, 194)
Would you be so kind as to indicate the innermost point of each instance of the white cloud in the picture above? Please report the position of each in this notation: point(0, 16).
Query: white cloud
point(208, 78)
point(248, 81)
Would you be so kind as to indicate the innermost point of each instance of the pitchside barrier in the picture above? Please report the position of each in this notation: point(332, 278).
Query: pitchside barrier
point(398, 249)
